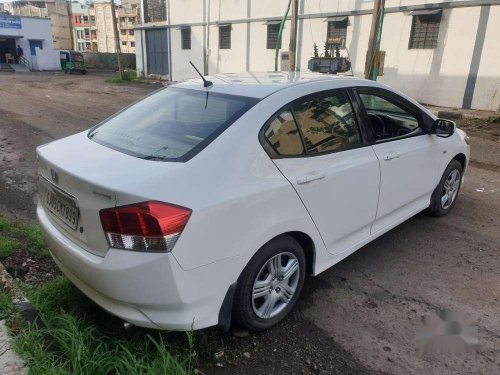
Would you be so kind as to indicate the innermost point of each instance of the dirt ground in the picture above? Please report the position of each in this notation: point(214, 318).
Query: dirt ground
point(360, 316)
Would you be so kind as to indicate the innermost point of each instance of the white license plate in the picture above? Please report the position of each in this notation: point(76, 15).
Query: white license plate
point(62, 205)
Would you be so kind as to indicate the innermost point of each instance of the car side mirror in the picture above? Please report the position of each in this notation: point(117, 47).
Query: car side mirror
point(443, 128)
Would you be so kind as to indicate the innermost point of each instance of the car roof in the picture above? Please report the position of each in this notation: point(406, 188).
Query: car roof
point(262, 84)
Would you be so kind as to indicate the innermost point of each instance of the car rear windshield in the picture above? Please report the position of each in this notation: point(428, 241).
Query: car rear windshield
point(173, 124)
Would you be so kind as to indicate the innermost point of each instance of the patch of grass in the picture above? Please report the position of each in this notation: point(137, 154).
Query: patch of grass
point(6, 306)
point(80, 338)
point(129, 76)
point(16, 235)
point(7, 247)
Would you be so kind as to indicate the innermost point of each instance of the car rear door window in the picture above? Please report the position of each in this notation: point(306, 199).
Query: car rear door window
point(283, 135)
point(327, 124)
point(171, 125)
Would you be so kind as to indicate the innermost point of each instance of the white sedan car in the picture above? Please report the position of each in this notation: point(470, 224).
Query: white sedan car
point(205, 204)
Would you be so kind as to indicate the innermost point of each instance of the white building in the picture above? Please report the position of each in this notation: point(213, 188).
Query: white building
point(34, 36)
point(441, 52)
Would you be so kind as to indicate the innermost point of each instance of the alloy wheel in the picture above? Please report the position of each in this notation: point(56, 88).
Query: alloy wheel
point(450, 189)
point(275, 285)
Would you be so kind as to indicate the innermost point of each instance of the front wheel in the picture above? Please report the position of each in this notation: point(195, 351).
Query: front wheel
point(270, 284)
point(446, 193)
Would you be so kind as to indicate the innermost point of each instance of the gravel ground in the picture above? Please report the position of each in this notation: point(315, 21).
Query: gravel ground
point(361, 315)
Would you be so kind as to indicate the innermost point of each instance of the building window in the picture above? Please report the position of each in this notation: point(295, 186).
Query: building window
point(123, 32)
point(186, 37)
point(337, 32)
point(131, 32)
point(272, 36)
point(131, 19)
point(124, 43)
point(225, 37)
point(132, 44)
point(425, 30)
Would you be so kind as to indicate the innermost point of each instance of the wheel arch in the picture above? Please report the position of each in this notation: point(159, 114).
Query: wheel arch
point(305, 241)
point(462, 159)
point(307, 244)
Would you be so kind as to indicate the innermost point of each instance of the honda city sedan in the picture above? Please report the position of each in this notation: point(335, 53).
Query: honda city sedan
point(206, 203)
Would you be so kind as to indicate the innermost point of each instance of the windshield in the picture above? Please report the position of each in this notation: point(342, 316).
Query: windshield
point(171, 125)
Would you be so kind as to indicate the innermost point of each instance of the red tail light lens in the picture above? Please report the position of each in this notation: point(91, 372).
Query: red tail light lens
point(146, 226)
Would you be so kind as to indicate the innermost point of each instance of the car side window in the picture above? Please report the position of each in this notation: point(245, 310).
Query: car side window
point(327, 124)
point(388, 120)
point(283, 135)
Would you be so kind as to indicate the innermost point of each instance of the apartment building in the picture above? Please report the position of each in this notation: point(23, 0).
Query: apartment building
point(56, 10)
point(81, 25)
point(442, 52)
point(127, 17)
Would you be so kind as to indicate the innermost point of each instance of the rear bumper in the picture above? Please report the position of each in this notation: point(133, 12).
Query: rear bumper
point(145, 289)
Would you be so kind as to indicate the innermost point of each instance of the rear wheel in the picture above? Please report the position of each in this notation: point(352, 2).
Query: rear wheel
point(270, 284)
point(446, 193)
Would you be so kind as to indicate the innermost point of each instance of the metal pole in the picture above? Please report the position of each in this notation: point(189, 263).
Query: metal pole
point(143, 20)
point(278, 42)
point(293, 34)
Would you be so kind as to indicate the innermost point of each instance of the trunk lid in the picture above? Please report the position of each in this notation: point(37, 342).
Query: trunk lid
point(77, 171)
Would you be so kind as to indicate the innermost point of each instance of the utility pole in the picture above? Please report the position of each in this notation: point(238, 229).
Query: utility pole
point(70, 15)
point(118, 48)
point(293, 35)
point(373, 53)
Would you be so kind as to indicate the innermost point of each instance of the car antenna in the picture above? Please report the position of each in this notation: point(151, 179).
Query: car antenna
point(206, 83)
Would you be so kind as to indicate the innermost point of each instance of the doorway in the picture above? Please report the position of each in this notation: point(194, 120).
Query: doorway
point(157, 51)
point(7, 45)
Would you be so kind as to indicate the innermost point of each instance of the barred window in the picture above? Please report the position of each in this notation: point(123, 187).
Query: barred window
point(273, 31)
point(337, 30)
point(186, 37)
point(425, 31)
point(225, 37)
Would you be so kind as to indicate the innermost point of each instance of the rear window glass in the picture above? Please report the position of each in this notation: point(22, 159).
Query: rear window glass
point(172, 125)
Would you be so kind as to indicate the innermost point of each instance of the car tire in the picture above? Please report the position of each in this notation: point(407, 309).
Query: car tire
point(448, 186)
point(266, 307)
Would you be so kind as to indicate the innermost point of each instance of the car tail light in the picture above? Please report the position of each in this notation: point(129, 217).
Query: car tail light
point(146, 226)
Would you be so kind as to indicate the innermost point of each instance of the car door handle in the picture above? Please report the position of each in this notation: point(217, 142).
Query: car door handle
point(310, 177)
point(391, 155)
